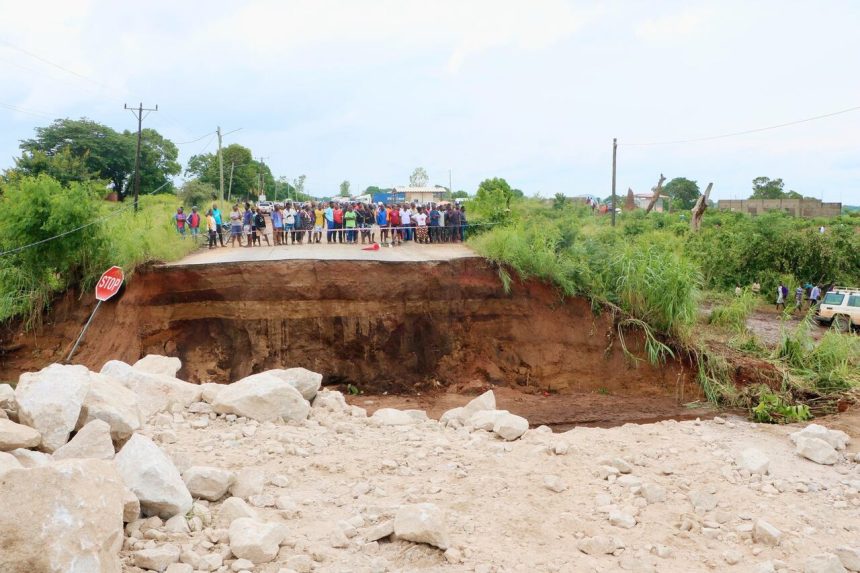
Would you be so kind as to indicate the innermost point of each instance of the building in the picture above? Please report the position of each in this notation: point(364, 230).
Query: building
point(641, 200)
point(798, 207)
point(420, 194)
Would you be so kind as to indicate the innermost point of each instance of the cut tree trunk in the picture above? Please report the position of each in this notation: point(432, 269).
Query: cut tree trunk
point(699, 209)
point(656, 196)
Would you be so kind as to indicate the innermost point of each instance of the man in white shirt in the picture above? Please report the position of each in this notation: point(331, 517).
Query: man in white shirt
point(406, 222)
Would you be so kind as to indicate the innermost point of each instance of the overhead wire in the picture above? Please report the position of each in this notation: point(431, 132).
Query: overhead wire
point(744, 132)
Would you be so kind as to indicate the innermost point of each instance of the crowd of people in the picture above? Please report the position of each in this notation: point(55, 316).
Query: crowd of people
point(308, 223)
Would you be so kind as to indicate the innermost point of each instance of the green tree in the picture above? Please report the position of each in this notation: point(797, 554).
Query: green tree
point(767, 188)
point(63, 166)
point(682, 192)
point(344, 189)
point(459, 195)
point(559, 201)
point(245, 171)
point(106, 153)
point(493, 199)
point(419, 178)
point(196, 192)
point(158, 164)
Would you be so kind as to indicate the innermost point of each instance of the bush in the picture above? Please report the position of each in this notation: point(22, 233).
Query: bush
point(734, 314)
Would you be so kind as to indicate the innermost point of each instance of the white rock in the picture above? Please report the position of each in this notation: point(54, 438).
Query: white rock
point(305, 381)
point(235, 508)
point(256, 541)
point(240, 564)
point(153, 478)
point(653, 493)
point(485, 419)
point(330, 400)
point(8, 462)
point(486, 401)
point(130, 506)
point(210, 390)
point(179, 568)
point(823, 563)
point(207, 482)
point(554, 483)
point(155, 392)
point(392, 417)
point(248, 482)
point(764, 532)
point(702, 501)
point(753, 460)
point(417, 415)
point(156, 364)
point(836, 438)
point(111, 402)
point(510, 426)
point(31, 458)
point(379, 531)
point(262, 397)
point(177, 524)
point(7, 399)
point(849, 556)
point(50, 401)
point(817, 450)
point(621, 519)
point(91, 441)
point(422, 523)
point(451, 416)
point(67, 518)
point(14, 436)
point(157, 558)
point(597, 545)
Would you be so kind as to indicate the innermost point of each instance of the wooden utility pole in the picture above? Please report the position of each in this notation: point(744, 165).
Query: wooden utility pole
point(230, 187)
point(220, 166)
point(138, 113)
point(614, 153)
point(655, 196)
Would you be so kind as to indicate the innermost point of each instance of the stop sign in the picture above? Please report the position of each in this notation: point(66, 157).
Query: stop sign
point(109, 283)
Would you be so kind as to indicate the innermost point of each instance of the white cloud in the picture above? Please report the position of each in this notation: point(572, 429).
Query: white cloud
point(683, 25)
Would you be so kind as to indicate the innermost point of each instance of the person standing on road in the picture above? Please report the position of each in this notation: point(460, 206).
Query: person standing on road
point(211, 227)
point(179, 220)
point(463, 223)
point(394, 223)
point(319, 223)
point(382, 223)
point(781, 293)
point(260, 227)
point(290, 223)
point(329, 222)
point(216, 213)
point(406, 222)
point(194, 223)
point(248, 225)
point(235, 226)
point(798, 298)
point(277, 225)
point(349, 223)
point(434, 224)
point(338, 222)
point(421, 226)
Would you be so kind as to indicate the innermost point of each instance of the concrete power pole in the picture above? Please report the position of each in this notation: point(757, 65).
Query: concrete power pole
point(138, 113)
point(220, 166)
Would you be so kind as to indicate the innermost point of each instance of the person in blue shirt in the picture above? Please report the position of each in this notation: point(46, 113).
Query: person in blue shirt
point(278, 225)
point(382, 221)
point(248, 226)
point(434, 225)
point(329, 222)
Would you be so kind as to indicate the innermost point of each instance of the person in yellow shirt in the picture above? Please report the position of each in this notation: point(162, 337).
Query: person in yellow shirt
point(212, 227)
point(319, 222)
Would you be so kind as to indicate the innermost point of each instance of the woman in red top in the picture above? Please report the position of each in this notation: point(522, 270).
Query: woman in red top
point(338, 222)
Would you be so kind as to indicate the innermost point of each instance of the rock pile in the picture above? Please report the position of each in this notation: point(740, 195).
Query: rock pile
point(132, 469)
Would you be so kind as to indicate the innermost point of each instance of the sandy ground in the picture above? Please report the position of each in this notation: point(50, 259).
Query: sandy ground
point(409, 252)
point(502, 517)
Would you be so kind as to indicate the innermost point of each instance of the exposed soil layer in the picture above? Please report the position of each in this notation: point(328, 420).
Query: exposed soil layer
point(381, 326)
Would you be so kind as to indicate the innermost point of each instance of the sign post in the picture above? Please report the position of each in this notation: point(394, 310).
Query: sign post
point(106, 288)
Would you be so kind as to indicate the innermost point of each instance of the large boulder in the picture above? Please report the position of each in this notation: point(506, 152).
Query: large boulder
point(67, 517)
point(155, 392)
point(92, 441)
point(305, 381)
point(50, 401)
point(836, 438)
point(111, 402)
point(14, 436)
point(510, 426)
point(486, 419)
point(486, 401)
point(7, 401)
point(256, 541)
point(207, 482)
point(8, 462)
point(422, 523)
point(392, 417)
point(817, 450)
point(157, 364)
point(152, 477)
point(264, 397)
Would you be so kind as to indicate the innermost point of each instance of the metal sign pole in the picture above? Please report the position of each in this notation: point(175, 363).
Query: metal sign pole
point(81, 336)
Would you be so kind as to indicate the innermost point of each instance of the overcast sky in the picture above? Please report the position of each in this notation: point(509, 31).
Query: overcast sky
point(532, 91)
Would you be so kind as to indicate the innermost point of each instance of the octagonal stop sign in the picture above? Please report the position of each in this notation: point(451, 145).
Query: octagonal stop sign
point(109, 283)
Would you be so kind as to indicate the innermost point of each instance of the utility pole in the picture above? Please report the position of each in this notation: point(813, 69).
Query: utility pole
point(450, 186)
point(230, 187)
point(614, 153)
point(138, 113)
point(220, 165)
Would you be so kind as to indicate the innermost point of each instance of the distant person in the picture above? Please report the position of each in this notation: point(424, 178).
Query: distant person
point(235, 226)
point(338, 222)
point(349, 222)
point(180, 220)
point(781, 293)
point(434, 224)
point(248, 225)
point(289, 223)
point(798, 298)
point(394, 224)
point(278, 236)
point(421, 235)
point(814, 295)
point(463, 223)
point(382, 222)
point(219, 222)
point(308, 220)
point(212, 228)
point(329, 221)
point(260, 227)
point(194, 223)
point(319, 223)
point(406, 222)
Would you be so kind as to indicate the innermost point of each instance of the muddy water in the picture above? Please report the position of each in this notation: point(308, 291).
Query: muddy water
point(396, 327)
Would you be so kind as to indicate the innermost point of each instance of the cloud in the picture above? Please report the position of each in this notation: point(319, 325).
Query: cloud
point(682, 25)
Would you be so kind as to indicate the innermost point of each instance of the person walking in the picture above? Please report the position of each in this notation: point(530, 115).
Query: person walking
point(814, 295)
point(781, 293)
point(180, 220)
point(212, 228)
point(235, 226)
point(798, 298)
point(219, 222)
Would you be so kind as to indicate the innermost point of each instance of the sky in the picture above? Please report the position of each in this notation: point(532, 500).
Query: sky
point(533, 91)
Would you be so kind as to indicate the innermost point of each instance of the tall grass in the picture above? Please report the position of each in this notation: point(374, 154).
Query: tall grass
point(734, 314)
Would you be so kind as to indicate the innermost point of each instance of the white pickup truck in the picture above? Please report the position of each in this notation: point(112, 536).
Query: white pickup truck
point(840, 304)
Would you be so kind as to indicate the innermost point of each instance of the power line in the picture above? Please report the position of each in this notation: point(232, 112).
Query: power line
point(32, 112)
point(193, 140)
point(54, 64)
point(745, 132)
